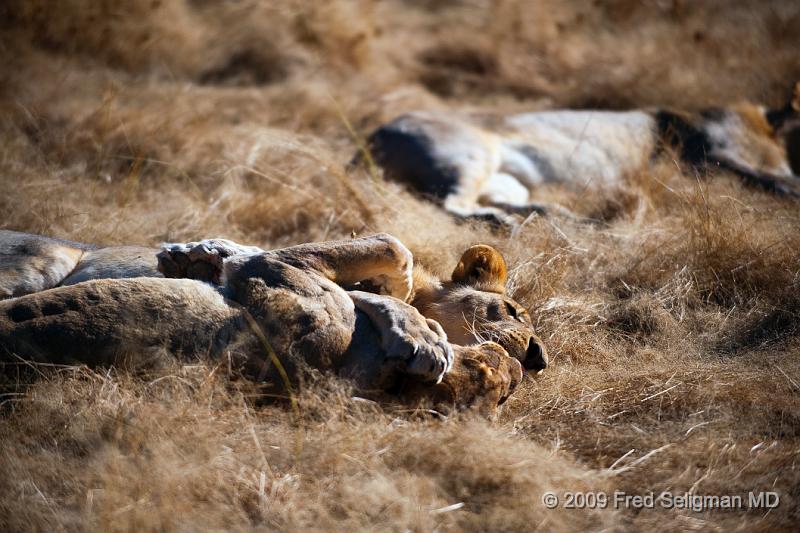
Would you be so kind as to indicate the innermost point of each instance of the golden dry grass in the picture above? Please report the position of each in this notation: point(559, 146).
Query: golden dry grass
point(673, 324)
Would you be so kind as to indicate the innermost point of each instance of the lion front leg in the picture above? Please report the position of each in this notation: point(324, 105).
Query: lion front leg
point(411, 343)
point(381, 259)
point(541, 209)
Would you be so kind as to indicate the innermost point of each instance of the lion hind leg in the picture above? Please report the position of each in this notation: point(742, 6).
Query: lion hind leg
point(201, 260)
point(32, 263)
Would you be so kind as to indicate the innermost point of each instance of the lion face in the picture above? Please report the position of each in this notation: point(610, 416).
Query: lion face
point(471, 316)
point(473, 308)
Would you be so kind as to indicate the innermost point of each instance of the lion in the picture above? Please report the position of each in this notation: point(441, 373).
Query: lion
point(285, 303)
point(471, 307)
point(490, 167)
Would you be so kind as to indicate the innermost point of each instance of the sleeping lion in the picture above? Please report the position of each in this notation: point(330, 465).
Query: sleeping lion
point(491, 167)
point(471, 306)
point(273, 313)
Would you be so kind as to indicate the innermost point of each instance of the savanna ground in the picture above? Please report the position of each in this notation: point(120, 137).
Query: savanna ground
point(672, 323)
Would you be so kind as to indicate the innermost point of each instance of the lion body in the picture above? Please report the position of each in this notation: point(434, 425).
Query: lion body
point(284, 305)
point(476, 166)
point(112, 306)
point(33, 263)
point(106, 322)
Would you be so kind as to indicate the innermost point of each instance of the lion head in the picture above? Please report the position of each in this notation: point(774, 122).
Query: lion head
point(473, 307)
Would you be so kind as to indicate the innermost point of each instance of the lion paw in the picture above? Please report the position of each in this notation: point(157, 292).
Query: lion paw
point(411, 343)
point(483, 377)
point(199, 260)
point(397, 281)
point(421, 348)
point(397, 286)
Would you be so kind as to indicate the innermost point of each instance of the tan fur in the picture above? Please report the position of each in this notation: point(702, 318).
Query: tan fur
point(283, 302)
point(492, 168)
point(753, 117)
point(472, 307)
point(758, 138)
point(742, 137)
point(32, 263)
point(482, 378)
point(482, 265)
point(117, 322)
point(796, 97)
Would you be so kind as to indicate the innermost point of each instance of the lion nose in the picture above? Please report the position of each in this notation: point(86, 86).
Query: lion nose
point(535, 356)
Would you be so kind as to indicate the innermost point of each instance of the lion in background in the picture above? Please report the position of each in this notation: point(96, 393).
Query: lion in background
point(491, 166)
point(289, 303)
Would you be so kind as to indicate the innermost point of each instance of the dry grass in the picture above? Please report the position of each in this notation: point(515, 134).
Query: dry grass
point(673, 323)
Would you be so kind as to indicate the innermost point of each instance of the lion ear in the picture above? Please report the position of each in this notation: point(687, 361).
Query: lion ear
point(483, 267)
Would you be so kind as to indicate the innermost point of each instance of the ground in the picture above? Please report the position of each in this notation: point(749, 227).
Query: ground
point(672, 322)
